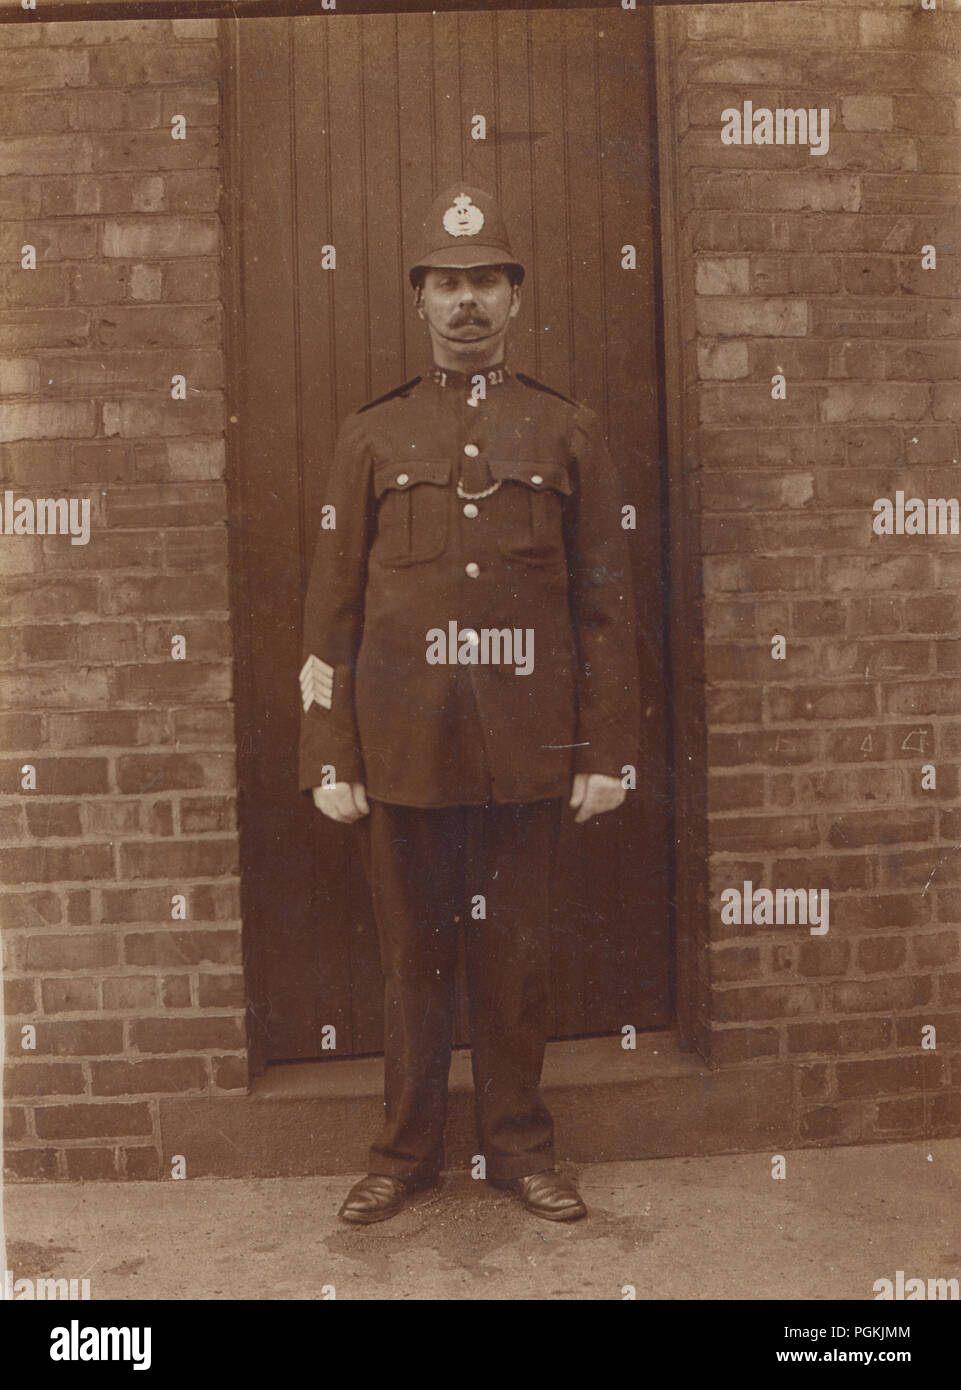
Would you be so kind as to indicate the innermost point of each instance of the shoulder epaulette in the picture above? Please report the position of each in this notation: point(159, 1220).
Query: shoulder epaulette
point(389, 396)
point(539, 386)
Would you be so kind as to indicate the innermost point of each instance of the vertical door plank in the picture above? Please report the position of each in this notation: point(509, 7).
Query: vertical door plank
point(477, 96)
point(417, 168)
point(551, 288)
point(449, 134)
point(349, 140)
point(380, 192)
point(516, 137)
point(277, 823)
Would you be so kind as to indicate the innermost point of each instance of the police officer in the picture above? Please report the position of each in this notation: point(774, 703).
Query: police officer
point(469, 665)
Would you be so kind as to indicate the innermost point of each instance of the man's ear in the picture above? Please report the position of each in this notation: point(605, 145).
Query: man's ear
point(515, 300)
point(418, 298)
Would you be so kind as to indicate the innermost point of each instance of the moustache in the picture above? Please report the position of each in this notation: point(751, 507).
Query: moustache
point(470, 320)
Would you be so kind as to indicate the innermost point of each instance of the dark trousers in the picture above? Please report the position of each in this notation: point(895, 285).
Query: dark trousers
point(425, 869)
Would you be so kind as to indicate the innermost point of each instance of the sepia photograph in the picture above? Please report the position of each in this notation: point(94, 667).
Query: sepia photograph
point(480, 673)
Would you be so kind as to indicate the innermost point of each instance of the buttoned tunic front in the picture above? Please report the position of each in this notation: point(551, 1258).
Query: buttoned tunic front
point(472, 515)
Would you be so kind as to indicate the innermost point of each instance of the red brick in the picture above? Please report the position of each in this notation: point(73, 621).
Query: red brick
point(43, 1079)
point(142, 1163)
point(41, 689)
point(51, 863)
point(230, 1073)
point(887, 1075)
point(79, 907)
point(137, 904)
point(113, 728)
point(49, 643)
point(767, 747)
point(76, 1038)
point(159, 818)
point(95, 1121)
point(183, 948)
point(733, 1045)
point(856, 829)
point(110, 642)
point(31, 1163)
point(20, 731)
point(947, 1028)
point(175, 991)
point(226, 991)
point(158, 326)
point(853, 1035)
point(756, 833)
point(203, 815)
point(74, 952)
point(143, 1078)
point(14, 1122)
point(215, 902)
point(882, 955)
point(764, 1002)
point(170, 771)
point(57, 818)
point(886, 911)
point(179, 859)
point(149, 64)
point(731, 792)
point(899, 1117)
point(205, 639)
point(129, 992)
point(92, 1164)
point(19, 996)
point(184, 595)
point(116, 110)
point(46, 68)
point(204, 727)
point(943, 1113)
point(31, 910)
point(191, 281)
point(923, 867)
point(187, 1034)
point(824, 956)
point(64, 996)
point(939, 949)
point(831, 1122)
point(872, 996)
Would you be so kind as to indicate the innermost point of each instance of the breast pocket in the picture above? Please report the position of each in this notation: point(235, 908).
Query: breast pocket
point(412, 511)
point(531, 510)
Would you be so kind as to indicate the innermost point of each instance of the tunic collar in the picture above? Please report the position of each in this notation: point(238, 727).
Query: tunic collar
point(445, 376)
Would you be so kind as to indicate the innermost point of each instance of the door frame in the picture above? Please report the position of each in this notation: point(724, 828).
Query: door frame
point(683, 620)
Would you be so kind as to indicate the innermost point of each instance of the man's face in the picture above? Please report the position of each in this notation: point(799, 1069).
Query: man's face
point(464, 308)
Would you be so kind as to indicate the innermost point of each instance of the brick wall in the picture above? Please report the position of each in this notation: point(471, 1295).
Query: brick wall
point(133, 750)
point(810, 266)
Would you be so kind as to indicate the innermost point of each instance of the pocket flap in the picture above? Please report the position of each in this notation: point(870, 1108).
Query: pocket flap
point(401, 477)
point(536, 474)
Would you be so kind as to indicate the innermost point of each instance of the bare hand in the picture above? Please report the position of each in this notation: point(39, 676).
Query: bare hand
point(344, 802)
point(594, 794)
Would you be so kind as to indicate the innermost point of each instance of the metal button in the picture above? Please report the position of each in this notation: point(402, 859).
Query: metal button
point(470, 510)
point(472, 570)
point(403, 478)
point(536, 479)
point(471, 450)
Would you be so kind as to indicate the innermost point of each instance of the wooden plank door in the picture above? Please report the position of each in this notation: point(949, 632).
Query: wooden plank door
point(343, 130)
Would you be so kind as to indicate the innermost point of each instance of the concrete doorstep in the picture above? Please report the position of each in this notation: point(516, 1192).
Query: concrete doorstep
point(716, 1227)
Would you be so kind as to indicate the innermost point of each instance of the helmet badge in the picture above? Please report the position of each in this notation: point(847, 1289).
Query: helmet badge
point(464, 218)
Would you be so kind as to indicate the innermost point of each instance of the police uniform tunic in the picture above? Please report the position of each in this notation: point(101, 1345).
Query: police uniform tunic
point(535, 548)
point(466, 512)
